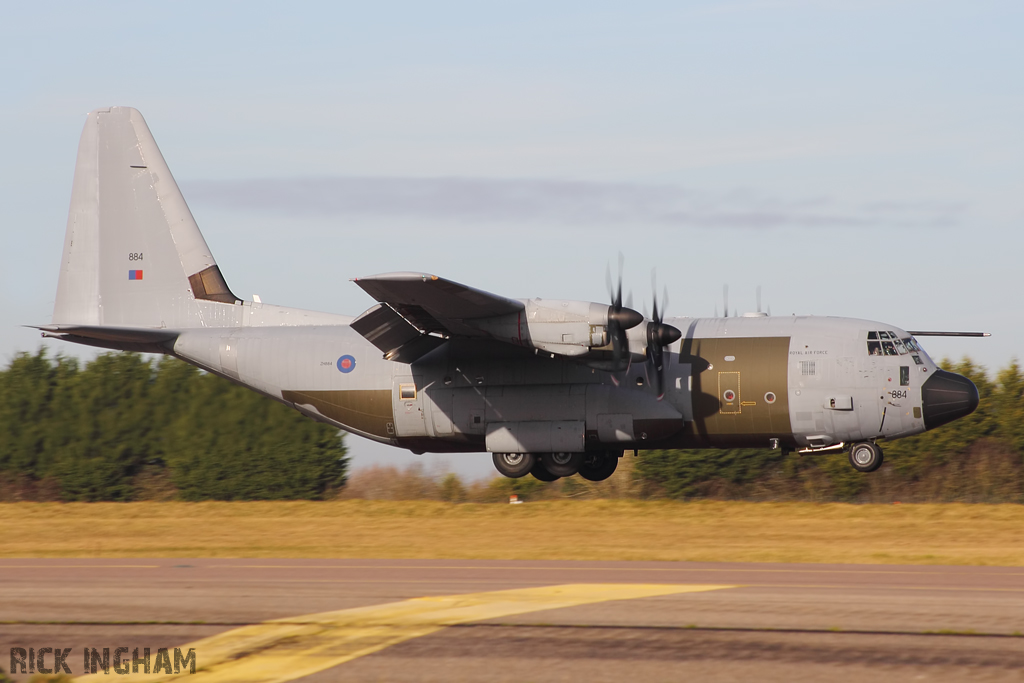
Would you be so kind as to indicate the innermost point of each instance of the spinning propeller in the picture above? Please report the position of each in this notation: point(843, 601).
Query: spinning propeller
point(660, 336)
point(620, 319)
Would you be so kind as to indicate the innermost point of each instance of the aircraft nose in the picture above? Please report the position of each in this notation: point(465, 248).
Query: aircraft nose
point(947, 396)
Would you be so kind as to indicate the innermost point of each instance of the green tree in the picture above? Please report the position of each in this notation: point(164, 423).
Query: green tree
point(94, 429)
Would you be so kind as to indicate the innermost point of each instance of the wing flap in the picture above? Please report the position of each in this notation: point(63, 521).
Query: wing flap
point(397, 338)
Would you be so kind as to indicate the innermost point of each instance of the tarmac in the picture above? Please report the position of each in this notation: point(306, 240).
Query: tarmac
point(447, 620)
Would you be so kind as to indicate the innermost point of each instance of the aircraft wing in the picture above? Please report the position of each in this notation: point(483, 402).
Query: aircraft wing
point(418, 310)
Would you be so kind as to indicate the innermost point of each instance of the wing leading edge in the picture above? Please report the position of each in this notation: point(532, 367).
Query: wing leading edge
point(417, 311)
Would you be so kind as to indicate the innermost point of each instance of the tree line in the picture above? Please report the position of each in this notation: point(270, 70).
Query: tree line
point(129, 427)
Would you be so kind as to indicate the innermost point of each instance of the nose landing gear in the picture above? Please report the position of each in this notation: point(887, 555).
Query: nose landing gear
point(865, 456)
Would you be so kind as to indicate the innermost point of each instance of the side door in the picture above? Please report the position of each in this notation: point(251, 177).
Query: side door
point(408, 406)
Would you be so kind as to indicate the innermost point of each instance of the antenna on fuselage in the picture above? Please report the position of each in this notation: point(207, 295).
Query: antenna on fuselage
point(725, 299)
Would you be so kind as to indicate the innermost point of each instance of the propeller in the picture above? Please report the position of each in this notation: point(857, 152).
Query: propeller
point(620, 319)
point(660, 336)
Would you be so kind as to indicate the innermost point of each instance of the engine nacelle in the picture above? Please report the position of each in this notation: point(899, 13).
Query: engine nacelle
point(563, 327)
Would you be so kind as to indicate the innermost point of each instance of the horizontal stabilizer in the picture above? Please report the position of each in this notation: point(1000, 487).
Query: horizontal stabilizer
point(145, 340)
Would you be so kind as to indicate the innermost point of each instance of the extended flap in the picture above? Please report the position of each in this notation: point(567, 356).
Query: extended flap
point(397, 338)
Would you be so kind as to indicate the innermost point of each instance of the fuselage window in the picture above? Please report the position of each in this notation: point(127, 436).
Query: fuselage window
point(900, 347)
point(872, 335)
point(911, 344)
point(874, 348)
point(917, 359)
point(889, 349)
point(904, 375)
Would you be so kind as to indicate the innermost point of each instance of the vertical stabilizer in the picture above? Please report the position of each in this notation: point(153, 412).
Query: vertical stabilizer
point(133, 254)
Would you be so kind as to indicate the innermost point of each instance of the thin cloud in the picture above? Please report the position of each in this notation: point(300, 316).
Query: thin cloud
point(573, 203)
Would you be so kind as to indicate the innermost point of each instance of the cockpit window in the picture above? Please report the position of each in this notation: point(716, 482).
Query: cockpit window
point(890, 344)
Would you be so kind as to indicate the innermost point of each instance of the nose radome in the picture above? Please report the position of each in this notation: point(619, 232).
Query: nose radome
point(947, 396)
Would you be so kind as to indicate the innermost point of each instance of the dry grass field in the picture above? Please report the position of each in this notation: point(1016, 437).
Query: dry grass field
point(573, 530)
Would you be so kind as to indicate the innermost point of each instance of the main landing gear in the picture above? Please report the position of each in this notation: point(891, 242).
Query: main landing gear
point(865, 456)
point(592, 466)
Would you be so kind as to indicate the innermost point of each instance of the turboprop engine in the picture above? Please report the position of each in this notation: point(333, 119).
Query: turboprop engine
point(562, 327)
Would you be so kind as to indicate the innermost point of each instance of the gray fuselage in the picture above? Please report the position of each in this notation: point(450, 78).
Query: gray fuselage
point(810, 382)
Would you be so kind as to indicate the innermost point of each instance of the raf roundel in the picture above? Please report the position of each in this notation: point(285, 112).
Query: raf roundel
point(346, 364)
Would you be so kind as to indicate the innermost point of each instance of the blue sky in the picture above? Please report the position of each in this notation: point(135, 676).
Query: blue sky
point(858, 159)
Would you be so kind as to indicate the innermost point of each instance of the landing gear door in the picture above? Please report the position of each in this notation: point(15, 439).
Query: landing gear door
point(408, 407)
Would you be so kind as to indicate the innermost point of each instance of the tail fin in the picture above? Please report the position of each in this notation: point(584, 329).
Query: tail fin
point(133, 254)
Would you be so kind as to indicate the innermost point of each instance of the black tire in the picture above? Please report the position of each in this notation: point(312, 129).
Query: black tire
point(865, 456)
point(514, 465)
point(541, 473)
point(599, 465)
point(562, 464)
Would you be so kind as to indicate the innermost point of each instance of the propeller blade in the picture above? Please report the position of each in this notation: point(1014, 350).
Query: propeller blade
point(620, 319)
point(660, 336)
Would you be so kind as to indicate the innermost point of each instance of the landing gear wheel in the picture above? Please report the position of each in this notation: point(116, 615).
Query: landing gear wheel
point(599, 465)
point(540, 472)
point(866, 456)
point(514, 465)
point(562, 464)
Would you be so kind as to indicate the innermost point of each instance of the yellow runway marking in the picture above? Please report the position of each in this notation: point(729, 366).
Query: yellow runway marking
point(286, 649)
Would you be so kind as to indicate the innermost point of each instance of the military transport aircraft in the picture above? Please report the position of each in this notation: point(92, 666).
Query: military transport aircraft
point(549, 387)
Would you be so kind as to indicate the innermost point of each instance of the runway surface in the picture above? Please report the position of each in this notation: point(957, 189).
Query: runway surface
point(559, 620)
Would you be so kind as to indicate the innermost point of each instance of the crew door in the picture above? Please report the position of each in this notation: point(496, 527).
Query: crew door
point(408, 407)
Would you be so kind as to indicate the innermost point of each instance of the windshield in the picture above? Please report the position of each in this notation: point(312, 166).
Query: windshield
point(888, 343)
